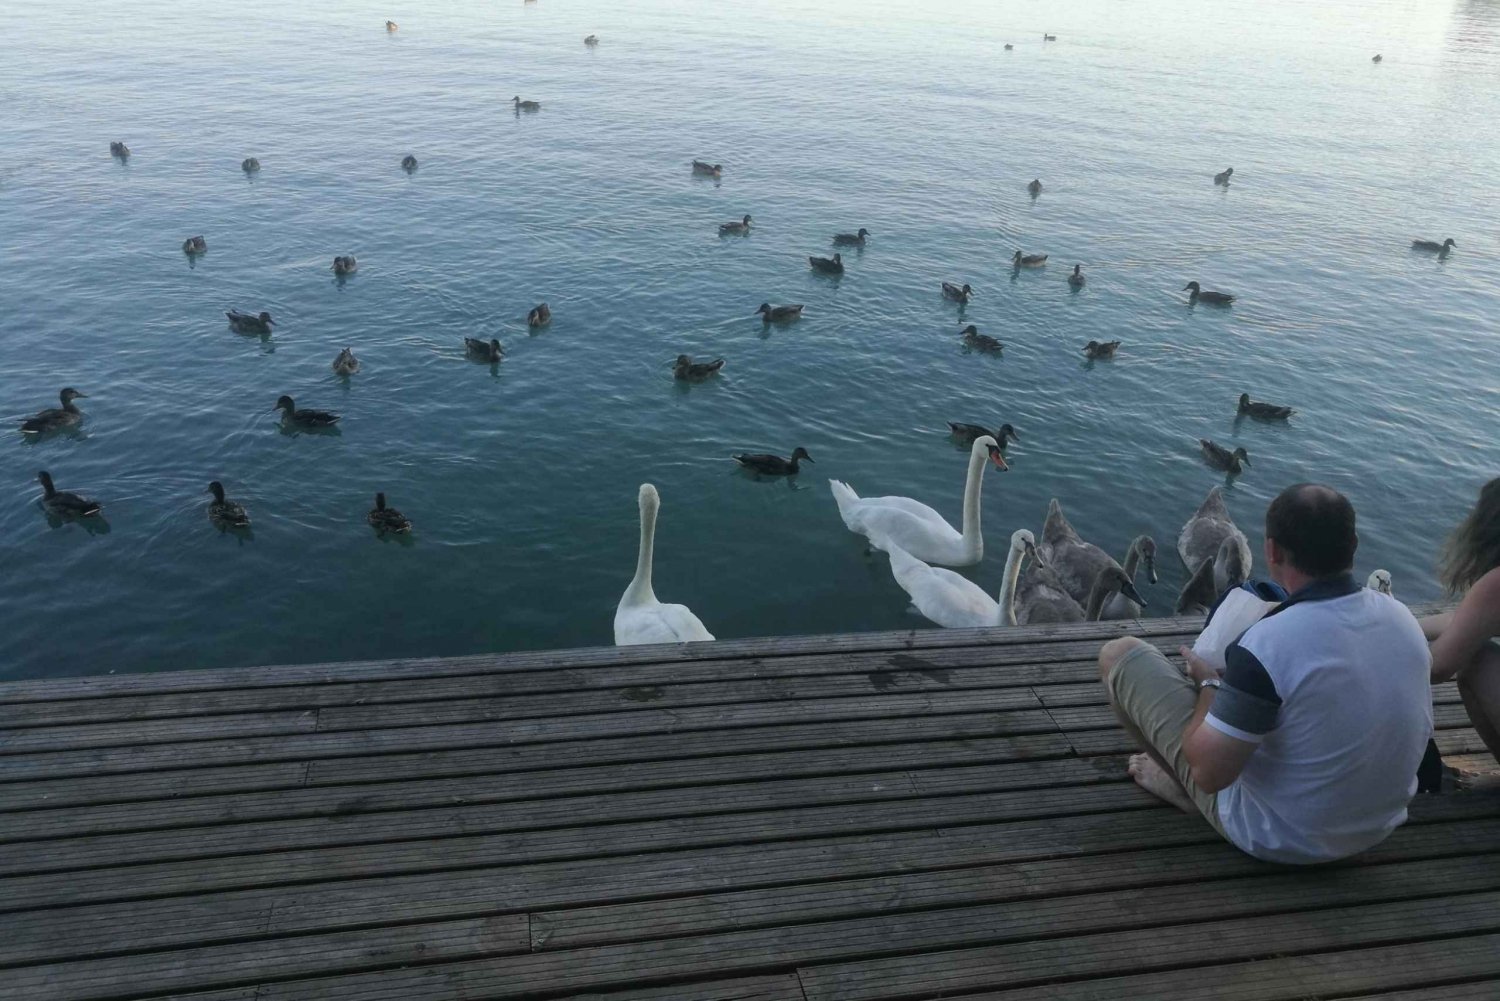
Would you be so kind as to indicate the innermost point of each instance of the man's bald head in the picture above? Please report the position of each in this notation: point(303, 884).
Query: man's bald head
point(1314, 526)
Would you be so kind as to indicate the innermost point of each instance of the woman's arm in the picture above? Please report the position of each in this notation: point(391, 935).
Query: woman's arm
point(1433, 625)
point(1477, 618)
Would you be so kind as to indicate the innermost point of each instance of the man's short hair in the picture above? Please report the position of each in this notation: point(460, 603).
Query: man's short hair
point(1314, 524)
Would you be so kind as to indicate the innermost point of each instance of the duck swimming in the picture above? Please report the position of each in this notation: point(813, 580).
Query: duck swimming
point(735, 228)
point(1377, 58)
point(980, 342)
point(1264, 411)
point(119, 149)
point(345, 265)
point(958, 293)
point(387, 520)
point(249, 323)
point(250, 165)
point(1049, 38)
point(194, 245)
point(1101, 349)
point(223, 512)
point(1203, 295)
point(1433, 247)
point(1035, 187)
point(1076, 279)
point(774, 465)
point(56, 418)
point(64, 504)
point(526, 105)
point(390, 26)
point(1028, 260)
point(780, 314)
point(1222, 178)
point(828, 265)
point(489, 351)
point(708, 169)
point(591, 40)
point(1008, 46)
point(408, 163)
point(1219, 457)
point(345, 363)
point(969, 433)
point(685, 368)
point(851, 239)
point(540, 315)
point(305, 418)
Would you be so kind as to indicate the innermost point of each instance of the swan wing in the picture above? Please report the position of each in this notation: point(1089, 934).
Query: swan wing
point(1057, 528)
point(658, 623)
point(950, 600)
point(1040, 597)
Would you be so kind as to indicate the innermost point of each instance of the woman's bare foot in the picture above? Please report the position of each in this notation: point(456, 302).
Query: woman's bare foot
point(1150, 777)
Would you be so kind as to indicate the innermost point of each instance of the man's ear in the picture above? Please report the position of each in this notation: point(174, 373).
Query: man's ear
point(1275, 555)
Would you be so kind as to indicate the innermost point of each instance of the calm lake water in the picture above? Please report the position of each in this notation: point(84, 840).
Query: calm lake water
point(908, 119)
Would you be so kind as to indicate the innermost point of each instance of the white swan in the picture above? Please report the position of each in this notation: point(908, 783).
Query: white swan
point(640, 618)
point(956, 602)
point(1380, 580)
point(914, 526)
point(1202, 534)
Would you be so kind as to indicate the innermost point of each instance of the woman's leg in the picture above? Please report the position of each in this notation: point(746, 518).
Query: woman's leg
point(1479, 684)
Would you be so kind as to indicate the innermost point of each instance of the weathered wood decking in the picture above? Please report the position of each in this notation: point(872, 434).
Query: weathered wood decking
point(882, 816)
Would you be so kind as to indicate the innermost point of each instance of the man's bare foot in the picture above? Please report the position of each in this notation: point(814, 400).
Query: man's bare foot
point(1150, 777)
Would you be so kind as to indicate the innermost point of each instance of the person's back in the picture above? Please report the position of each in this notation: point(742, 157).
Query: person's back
point(1334, 774)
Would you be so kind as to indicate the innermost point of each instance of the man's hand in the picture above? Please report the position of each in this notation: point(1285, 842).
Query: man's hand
point(1198, 669)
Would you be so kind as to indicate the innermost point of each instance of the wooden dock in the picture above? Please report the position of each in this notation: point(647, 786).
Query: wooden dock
point(940, 813)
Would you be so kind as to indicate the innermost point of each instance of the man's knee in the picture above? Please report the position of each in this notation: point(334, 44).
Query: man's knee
point(1115, 651)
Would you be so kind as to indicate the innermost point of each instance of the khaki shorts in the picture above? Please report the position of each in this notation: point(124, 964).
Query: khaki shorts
point(1160, 700)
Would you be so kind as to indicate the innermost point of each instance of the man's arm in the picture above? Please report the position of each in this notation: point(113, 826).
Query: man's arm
point(1215, 757)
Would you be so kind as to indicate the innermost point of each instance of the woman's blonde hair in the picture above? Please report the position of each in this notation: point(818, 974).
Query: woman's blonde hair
point(1473, 549)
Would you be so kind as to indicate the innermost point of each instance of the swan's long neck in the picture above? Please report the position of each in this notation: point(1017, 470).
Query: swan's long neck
point(1132, 559)
point(1008, 586)
point(973, 541)
point(1097, 596)
point(639, 592)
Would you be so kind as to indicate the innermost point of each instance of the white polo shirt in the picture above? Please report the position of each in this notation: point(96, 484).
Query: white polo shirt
point(1335, 688)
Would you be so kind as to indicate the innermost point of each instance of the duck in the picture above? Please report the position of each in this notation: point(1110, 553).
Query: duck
point(851, 239)
point(732, 228)
point(967, 433)
point(223, 512)
point(1028, 260)
point(540, 315)
point(1035, 187)
point(387, 520)
point(1202, 295)
point(346, 265)
point(981, 342)
point(917, 528)
point(408, 163)
point(345, 363)
point(958, 293)
point(194, 245)
point(1049, 38)
point(1101, 349)
point(1432, 246)
point(1264, 411)
point(305, 418)
point(1076, 279)
point(685, 368)
point(828, 265)
point(64, 504)
point(955, 602)
point(780, 314)
point(250, 165)
point(489, 351)
point(708, 169)
point(249, 323)
point(119, 149)
point(1205, 532)
point(640, 617)
point(56, 418)
point(390, 26)
point(1008, 46)
point(1228, 566)
point(1041, 596)
point(1376, 58)
point(1077, 563)
point(526, 105)
point(1219, 457)
point(774, 465)
point(1222, 178)
point(1380, 580)
point(591, 40)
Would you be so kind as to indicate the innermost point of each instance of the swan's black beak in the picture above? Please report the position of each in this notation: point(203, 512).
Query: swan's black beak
point(1129, 591)
point(998, 459)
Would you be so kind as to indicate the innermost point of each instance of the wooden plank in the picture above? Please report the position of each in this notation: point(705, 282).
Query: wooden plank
point(1089, 934)
point(1000, 755)
point(87, 979)
point(1091, 692)
point(774, 987)
point(596, 740)
point(51, 793)
point(1459, 740)
point(48, 879)
point(31, 739)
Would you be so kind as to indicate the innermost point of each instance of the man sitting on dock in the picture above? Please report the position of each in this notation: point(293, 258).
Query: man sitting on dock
point(1306, 750)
